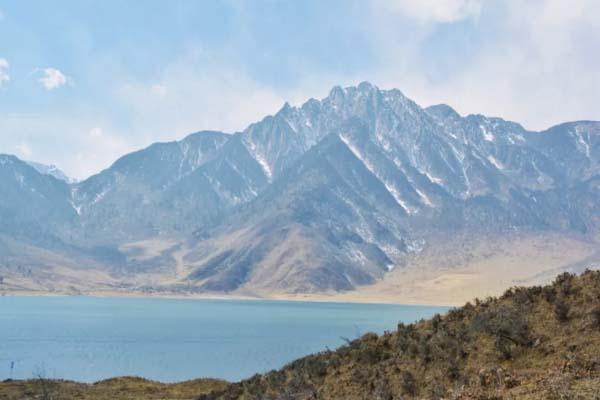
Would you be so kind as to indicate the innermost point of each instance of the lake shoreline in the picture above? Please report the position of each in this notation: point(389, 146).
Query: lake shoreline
point(338, 298)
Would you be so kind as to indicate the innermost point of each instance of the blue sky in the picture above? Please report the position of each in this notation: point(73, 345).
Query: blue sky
point(82, 82)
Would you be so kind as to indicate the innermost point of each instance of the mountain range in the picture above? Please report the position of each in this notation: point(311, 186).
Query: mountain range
point(328, 196)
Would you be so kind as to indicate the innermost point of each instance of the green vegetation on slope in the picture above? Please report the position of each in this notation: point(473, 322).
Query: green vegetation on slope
point(531, 343)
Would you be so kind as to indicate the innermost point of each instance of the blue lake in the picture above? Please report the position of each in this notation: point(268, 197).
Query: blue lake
point(89, 339)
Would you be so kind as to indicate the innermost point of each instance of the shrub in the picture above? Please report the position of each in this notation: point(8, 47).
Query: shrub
point(522, 296)
point(413, 349)
point(596, 318)
point(382, 391)
point(504, 346)
point(369, 354)
point(435, 322)
point(408, 383)
point(437, 392)
point(561, 311)
point(402, 343)
point(549, 293)
point(316, 367)
point(507, 325)
point(453, 371)
point(565, 283)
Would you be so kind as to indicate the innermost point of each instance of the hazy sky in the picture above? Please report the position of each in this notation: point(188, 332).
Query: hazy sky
point(82, 82)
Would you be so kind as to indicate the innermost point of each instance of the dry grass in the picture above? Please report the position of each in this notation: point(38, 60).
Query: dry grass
point(453, 272)
point(450, 271)
point(127, 388)
point(531, 343)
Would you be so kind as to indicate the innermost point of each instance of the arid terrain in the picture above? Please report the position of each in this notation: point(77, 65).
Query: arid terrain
point(530, 343)
point(110, 389)
point(449, 273)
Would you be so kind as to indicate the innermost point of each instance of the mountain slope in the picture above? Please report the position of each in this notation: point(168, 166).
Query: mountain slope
point(531, 343)
point(325, 196)
point(387, 177)
point(32, 205)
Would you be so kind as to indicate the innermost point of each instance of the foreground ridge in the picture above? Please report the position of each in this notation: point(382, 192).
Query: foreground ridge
point(530, 343)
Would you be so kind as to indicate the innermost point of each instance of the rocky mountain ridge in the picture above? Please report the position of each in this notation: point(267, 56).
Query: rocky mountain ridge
point(325, 196)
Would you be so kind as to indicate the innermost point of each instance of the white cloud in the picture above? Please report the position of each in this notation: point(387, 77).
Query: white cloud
point(24, 150)
point(97, 149)
point(432, 10)
point(52, 78)
point(81, 144)
point(4, 77)
point(535, 63)
point(191, 95)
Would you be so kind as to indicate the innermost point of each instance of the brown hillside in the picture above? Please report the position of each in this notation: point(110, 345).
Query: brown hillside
point(125, 388)
point(531, 343)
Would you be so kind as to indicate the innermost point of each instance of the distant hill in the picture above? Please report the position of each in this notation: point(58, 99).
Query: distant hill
point(531, 343)
point(327, 196)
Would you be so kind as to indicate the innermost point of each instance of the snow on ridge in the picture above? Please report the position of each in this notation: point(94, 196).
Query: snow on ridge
point(100, 196)
point(20, 178)
point(432, 179)
point(265, 166)
point(495, 162)
point(5, 159)
point(579, 136)
point(72, 201)
point(75, 207)
point(395, 193)
point(425, 198)
point(261, 160)
point(487, 135)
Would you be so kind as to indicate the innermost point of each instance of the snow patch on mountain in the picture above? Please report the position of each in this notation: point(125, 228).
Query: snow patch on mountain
point(487, 135)
point(495, 162)
point(425, 198)
point(262, 161)
point(388, 185)
point(20, 178)
point(581, 141)
point(432, 179)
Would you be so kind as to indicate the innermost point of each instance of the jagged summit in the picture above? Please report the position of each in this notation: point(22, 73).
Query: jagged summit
point(442, 111)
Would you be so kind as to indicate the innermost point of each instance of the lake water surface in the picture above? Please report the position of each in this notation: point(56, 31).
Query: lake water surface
point(88, 339)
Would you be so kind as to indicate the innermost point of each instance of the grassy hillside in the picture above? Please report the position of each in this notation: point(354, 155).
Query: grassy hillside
point(531, 343)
